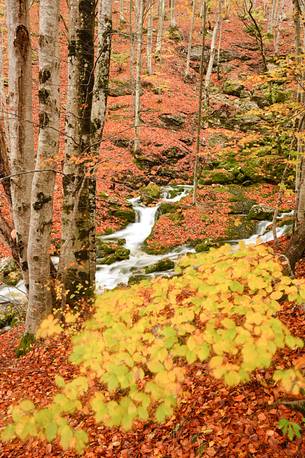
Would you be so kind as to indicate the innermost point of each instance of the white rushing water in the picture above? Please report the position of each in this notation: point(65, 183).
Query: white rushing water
point(110, 276)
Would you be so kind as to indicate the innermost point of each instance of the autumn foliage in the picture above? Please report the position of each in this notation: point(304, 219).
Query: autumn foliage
point(221, 307)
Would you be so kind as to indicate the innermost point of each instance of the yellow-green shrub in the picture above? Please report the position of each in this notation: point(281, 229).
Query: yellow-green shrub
point(220, 308)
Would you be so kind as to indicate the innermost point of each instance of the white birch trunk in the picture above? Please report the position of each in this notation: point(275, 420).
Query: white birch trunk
point(21, 141)
point(277, 24)
point(160, 29)
point(137, 96)
point(40, 296)
point(172, 14)
point(122, 17)
point(212, 54)
point(189, 47)
point(149, 40)
point(98, 113)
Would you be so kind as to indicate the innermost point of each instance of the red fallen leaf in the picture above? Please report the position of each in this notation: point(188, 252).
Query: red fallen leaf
point(239, 398)
point(252, 448)
point(261, 416)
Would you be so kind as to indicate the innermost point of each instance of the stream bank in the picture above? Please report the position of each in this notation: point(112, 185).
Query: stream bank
point(136, 263)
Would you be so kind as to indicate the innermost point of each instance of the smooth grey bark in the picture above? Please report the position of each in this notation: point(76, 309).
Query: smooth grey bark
point(149, 43)
point(137, 91)
point(99, 105)
point(200, 97)
point(21, 140)
point(212, 53)
point(160, 29)
point(190, 42)
point(122, 17)
point(40, 284)
point(172, 14)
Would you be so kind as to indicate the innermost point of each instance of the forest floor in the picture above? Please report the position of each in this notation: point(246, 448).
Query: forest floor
point(212, 420)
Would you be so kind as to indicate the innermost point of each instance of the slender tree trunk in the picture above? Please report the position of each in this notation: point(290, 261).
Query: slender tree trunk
point(189, 47)
point(40, 295)
point(131, 34)
point(99, 105)
point(199, 121)
point(4, 133)
point(278, 23)
point(172, 14)
point(21, 141)
point(212, 54)
point(160, 29)
point(75, 259)
point(122, 17)
point(149, 40)
point(219, 48)
point(300, 168)
point(295, 249)
point(137, 96)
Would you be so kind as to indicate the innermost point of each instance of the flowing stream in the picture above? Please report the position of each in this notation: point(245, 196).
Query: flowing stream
point(110, 276)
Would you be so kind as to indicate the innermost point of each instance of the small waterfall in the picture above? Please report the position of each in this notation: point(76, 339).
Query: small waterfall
point(135, 234)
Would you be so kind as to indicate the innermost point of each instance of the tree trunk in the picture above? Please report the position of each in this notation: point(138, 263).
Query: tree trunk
point(160, 29)
point(212, 54)
point(137, 92)
point(149, 39)
point(296, 247)
point(99, 105)
point(172, 14)
point(40, 296)
point(122, 18)
point(189, 47)
point(74, 268)
point(4, 134)
point(199, 121)
point(21, 141)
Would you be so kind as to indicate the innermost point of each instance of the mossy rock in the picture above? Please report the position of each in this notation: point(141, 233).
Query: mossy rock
point(135, 279)
point(150, 193)
point(166, 208)
point(160, 266)
point(155, 249)
point(110, 251)
point(118, 88)
point(175, 34)
point(234, 88)
point(7, 316)
point(174, 192)
point(205, 245)
point(241, 207)
point(261, 212)
point(10, 273)
point(220, 176)
point(172, 121)
point(173, 154)
point(241, 228)
point(218, 139)
point(120, 254)
point(127, 216)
